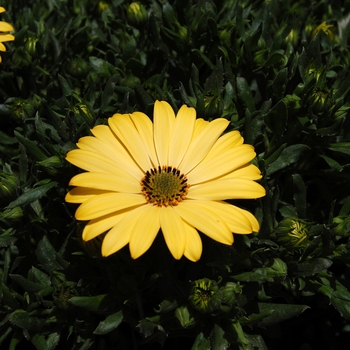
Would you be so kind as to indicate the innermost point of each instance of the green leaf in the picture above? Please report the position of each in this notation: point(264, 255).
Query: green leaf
point(332, 163)
point(201, 343)
point(342, 147)
point(48, 256)
point(32, 195)
point(280, 312)
point(217, 340)
point(276, 119)
point(31, 146)
point(66, 89)
point(245, 93)
point(110, 323)
point(27, 285)
point(21, 319)
point(288, 156)
point(313, 267)
point(94, 303)
point(184, 316)
point(299, 195)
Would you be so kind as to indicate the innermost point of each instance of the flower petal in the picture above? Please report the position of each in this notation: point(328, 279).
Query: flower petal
point(164, 119)
point(145, 231)
point(113, 148)
point(124, 128)
point(226, 189)
point(120, 182)
point(107, 203)
point(205, 220)
point(193, 249)
point(238, 220)
point(82, 194)
point(102, 224)
point(6, 37)
point(145, 129)
point(201, 145)
point(5, 27)
point(248, 172)
point(119, 235)
point(219, 163)
point(174, 231)
point(181, 135)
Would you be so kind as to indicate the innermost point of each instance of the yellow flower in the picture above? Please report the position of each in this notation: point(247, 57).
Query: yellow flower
point(325, 28)
point(4, 27)
point(172, 174)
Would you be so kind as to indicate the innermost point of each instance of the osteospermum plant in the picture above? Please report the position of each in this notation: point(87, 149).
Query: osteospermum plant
point(173, 174)
point(4, 35)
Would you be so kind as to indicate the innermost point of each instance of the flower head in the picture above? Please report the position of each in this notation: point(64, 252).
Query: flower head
point(293, 233)
point(171, 174)
point(4, 36)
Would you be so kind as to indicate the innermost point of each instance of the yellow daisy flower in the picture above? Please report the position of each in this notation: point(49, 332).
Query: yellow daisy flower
point(5, 27)
point(172, 174)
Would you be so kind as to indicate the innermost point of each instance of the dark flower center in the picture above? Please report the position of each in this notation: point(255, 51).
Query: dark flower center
point(164, 186)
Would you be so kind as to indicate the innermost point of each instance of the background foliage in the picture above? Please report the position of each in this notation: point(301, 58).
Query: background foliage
point(278, 70)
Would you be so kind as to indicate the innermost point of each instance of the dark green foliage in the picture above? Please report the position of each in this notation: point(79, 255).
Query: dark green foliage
point(261, 65)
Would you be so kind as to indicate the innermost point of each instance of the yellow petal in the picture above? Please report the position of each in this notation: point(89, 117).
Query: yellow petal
point(164, 119)
point(145, 231)
point(102, 224)
point(248, 172)
point(199, 126)
point(82, 194)
point(193, 249)
point(219, 163)
point(107, 203)
point(119, 235)
point(205, 220)
point(238, 220)
point(2, 9)
point(174, 231)
point(113, 148)
point(201, 145)
point(124, 128)
point(226, 189)
point(99, 163)
point(5, 27)
point(119, 182)
point(145, 129)
point(181, 135)
point(6, 37)
point(2, 47)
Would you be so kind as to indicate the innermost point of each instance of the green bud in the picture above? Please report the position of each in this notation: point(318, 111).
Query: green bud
point(8, 186)
point(137, 14)
point(205, 296)
point(213, 106)
point(102, 6)
point(84, 111)
point(320, 101)
point(78, 67)
point(260, 56)
point(324, 28)
point(230, 292)
point(293, 233)
point(293, 37)
point(342, 225)
point(20, 109)
point(62, 293)
point(12, 214)
point(30, 45)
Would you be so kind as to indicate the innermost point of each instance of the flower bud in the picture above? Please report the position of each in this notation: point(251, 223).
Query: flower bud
point(137, 14)
point(213, 106)
point(12, 214)
point(78, 67)
point(325, 28)
point(20, 109)
point(230, 292)
point(293, 37)
point(8, 186)
point(30, 45)
point(205, 296)
point(320, 101)
point(342, 227)
point(102, 6)
point(293, 233)
point(84, 111)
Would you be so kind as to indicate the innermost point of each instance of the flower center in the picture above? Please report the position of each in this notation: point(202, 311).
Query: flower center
point(164, 186)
